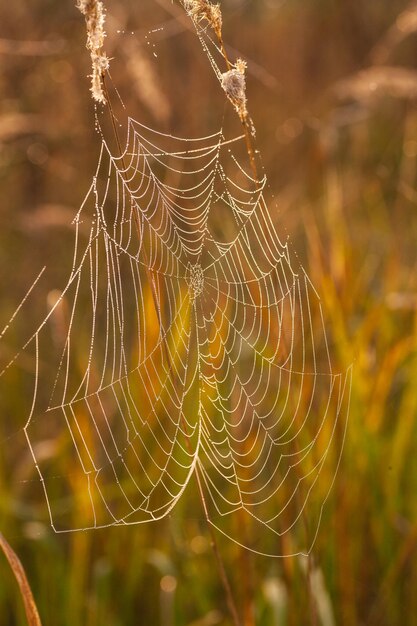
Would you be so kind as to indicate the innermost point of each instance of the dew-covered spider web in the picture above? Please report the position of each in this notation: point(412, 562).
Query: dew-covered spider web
point(188, 342)
point(185, 342)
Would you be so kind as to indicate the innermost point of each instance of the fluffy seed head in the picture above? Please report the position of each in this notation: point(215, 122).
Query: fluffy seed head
point(234, 85)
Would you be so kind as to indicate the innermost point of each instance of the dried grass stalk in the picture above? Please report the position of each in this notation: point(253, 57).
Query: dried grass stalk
point(32, 614)
point(94, 13)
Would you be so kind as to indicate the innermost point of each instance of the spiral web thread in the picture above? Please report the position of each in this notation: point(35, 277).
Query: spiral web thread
point(185, 341)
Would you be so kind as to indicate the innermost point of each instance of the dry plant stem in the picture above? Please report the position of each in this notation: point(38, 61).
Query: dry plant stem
point(223, 49)
point(247, 126)
point(243, 114)
point(219, 562)
point(31, 611)
point(244, 117)
point(249, 146)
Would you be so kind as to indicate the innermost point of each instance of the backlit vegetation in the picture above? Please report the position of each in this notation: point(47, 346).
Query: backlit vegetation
point(331, 87)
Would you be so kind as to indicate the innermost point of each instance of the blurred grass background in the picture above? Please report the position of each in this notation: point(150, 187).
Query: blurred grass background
point(332, 88)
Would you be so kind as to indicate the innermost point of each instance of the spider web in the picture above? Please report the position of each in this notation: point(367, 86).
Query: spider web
point(185, 341)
